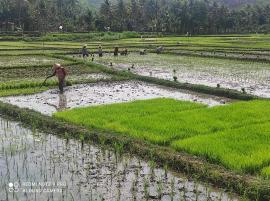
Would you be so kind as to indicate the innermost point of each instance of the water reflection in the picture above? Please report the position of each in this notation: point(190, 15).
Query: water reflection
point(62, 104)
point(37, 166)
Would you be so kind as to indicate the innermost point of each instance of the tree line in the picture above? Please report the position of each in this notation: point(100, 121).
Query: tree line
point(173, 16)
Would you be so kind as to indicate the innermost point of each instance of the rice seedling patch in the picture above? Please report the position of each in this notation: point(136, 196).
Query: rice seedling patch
point(235, 135)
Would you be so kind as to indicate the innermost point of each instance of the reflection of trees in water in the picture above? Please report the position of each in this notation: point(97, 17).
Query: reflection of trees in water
point(62, 104)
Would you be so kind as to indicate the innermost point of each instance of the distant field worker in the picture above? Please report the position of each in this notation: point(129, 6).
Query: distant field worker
point(159, 50)
point(60, 72)
point(100, 52)
point(85, 52)
point(124, 52)
point(143, 52)
point(115, 53)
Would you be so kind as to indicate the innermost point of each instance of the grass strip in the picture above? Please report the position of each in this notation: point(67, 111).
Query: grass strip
point(37, 65)
point(22, 91)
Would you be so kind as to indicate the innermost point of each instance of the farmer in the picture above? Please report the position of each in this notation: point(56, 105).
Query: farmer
point(60, 72)
point(143, 52)
point(159, 49)
point(100, 52)
point(85, 52)
point(115, 53)
point(124, 52)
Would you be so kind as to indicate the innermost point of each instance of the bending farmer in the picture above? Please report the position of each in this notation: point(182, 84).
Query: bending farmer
point(60, 73)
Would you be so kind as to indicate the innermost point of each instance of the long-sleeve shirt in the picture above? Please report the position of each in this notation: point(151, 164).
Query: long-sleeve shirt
point(60, 72)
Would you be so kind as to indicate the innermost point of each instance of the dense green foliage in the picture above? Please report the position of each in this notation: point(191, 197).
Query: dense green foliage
point(235, 135)
point(174, 16)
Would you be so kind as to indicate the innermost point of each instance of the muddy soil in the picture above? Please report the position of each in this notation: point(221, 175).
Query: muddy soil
point(51, 101)
point(253, 77)
point(36, 166)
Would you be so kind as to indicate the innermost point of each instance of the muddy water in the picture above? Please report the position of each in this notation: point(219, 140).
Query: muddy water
point(104, 93)
point(253, 76)
point(85, 76)
point(38, 166)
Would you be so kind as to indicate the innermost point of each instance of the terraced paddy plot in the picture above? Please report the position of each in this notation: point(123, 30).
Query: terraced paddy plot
point(251, 41)
point(35, 85)
point(104, 93)
point(249, 56)
point(28, 80)
point(253, 76)
point(16, 52)
point(235, 135)
point(38, 166)
point(28, 73)
point(9, 61)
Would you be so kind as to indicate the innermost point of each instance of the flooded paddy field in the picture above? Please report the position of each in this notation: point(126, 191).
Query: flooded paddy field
point(39, 163)
point(39, 166)
point(105, 93)
point(254, 77)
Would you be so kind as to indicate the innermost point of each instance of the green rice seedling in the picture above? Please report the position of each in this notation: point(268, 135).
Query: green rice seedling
point(119, 148)
point(172, 193)
point(133, 188)
point(118, 194)
point(152, 165)
point(159, 188)
point(81, 137)
point(146, 188)
point(165, 171)
point(196, 189)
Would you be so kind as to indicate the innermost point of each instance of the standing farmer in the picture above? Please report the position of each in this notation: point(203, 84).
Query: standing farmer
point(115, 53)
point(85, 52)
point(60, 72)
point(159, 50)
point(100, 52)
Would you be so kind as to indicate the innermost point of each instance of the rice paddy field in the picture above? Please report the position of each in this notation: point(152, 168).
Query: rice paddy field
point(254, 77)
point(235, 135)
point(191, 123)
